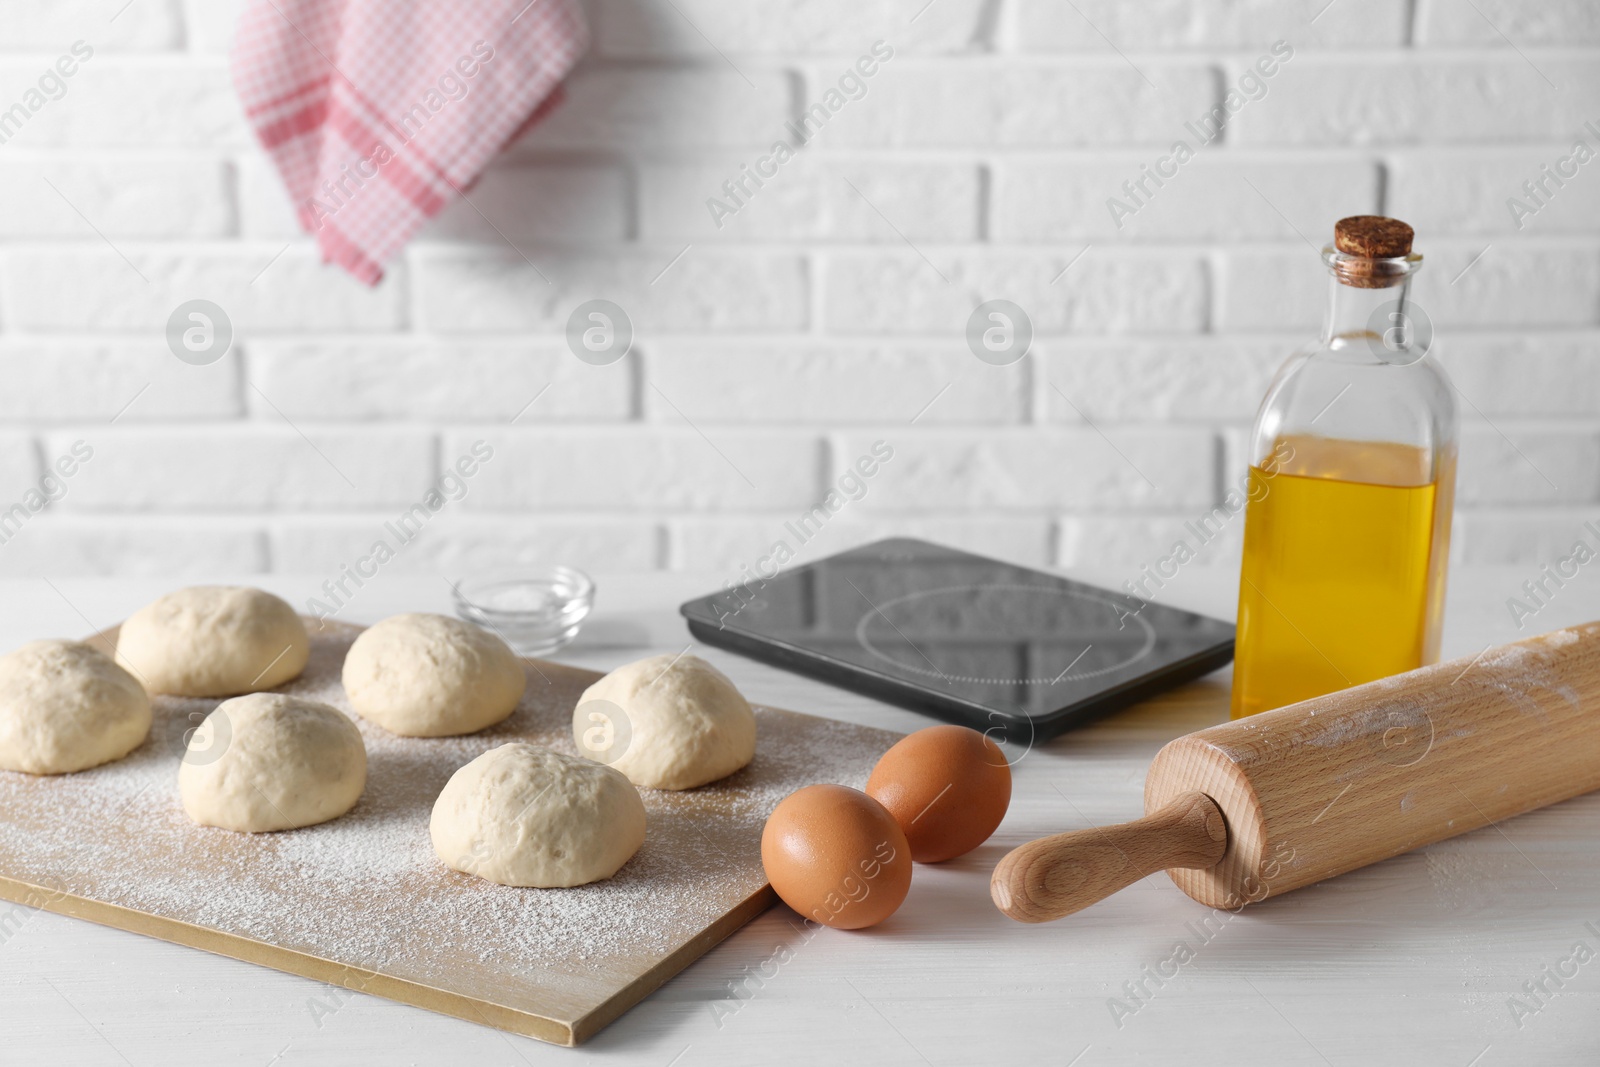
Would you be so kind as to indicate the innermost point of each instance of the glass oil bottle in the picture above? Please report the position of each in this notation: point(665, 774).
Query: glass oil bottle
point(1352, 481)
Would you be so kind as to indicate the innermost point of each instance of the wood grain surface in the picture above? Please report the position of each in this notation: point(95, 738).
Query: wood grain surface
point(1058, 875)
point(1328, 785)
point(1419, 959)
point(1274, 802)
point(362, 903)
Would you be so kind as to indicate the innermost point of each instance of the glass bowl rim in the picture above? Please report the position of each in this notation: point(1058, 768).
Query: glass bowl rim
point(582, 594)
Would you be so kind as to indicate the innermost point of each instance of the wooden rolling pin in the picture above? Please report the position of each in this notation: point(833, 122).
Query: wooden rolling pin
point(1244, 811)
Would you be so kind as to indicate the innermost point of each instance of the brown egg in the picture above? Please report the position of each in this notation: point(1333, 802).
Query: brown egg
point(835, 855)
point(947, 786)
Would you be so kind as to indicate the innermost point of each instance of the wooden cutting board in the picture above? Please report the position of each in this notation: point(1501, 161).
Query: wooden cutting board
point(363, 903)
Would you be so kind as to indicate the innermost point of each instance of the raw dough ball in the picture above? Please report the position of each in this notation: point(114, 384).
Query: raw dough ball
point(214, 641)
point(272, 762)
point(526, 816)
point(66, 707)
point(666, 722)
point(432, 676)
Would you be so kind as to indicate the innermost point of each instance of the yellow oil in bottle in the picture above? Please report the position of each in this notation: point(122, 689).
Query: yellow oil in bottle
point(1345, 547)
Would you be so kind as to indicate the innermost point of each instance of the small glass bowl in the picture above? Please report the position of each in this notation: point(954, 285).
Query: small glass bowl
point(535, 612)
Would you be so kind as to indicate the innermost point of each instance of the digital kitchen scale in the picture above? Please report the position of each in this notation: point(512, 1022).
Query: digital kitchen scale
point(991, 645)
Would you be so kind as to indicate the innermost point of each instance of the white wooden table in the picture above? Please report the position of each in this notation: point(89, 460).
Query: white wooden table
point(1411, 962)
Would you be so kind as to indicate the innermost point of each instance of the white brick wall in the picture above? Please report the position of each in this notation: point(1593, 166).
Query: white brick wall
point(826, 314)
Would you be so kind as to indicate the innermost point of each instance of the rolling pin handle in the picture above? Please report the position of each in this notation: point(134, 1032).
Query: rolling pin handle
point(1055, 876)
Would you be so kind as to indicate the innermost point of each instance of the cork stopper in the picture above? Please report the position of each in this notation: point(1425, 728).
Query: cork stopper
point(1370, 245)
point(1372, 237)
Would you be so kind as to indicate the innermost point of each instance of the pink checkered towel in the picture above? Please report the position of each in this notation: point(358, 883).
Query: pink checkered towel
point(378, 113)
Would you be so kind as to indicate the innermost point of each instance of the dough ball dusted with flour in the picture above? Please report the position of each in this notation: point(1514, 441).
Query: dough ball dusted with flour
point(526, 816)
point(432, 676)
point(214, 641)
point(67, 707)
point(668, 722)
point(272, 762)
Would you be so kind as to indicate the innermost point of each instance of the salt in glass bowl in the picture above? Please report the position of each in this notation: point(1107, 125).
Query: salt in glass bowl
point(535, 612)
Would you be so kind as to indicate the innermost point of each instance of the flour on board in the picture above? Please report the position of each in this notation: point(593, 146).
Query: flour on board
point(367, 890)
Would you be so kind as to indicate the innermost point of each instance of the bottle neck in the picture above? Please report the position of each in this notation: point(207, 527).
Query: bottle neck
point(1356, 315)
point(1369, 306)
